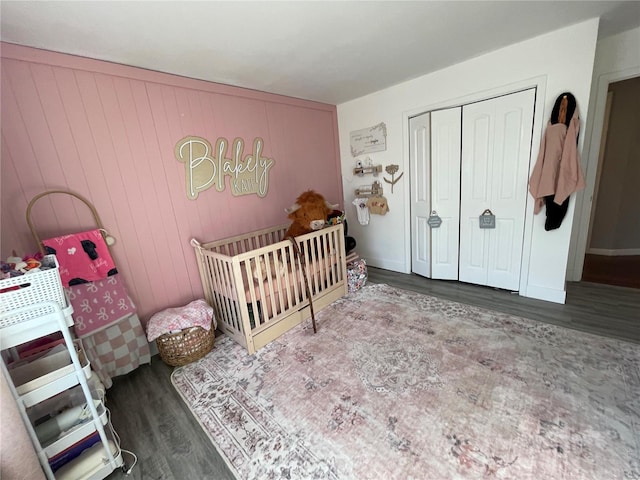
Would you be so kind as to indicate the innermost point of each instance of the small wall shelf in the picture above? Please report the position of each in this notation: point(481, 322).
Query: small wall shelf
point(374, 169)
point(369, 190)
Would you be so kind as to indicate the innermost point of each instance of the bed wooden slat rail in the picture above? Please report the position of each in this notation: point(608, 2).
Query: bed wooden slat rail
point(254, 282)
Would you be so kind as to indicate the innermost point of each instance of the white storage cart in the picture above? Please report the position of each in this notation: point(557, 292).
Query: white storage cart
point(33, 306)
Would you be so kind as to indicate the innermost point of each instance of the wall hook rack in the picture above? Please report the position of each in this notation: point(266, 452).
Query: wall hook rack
point(374, 169)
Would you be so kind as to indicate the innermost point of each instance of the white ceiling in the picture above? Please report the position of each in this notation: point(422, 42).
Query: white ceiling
point(329, 51)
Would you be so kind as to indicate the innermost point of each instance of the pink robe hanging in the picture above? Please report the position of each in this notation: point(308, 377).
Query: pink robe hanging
point(557, 171)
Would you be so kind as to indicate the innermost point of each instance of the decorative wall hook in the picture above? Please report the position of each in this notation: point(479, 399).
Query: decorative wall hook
point(392, 170)
point(109, 240)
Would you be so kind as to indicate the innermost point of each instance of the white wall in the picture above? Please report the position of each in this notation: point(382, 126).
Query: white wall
point(617, 58)
point(555, 62)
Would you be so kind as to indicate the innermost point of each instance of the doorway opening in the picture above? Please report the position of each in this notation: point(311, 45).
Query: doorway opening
point(613, 244)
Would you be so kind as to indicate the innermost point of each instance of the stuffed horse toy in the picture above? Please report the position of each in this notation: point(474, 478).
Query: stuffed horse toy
point(309, 213)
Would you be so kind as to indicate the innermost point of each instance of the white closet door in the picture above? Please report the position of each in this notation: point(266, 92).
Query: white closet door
point(420, 194)
point(445, 196)
point(496, 147)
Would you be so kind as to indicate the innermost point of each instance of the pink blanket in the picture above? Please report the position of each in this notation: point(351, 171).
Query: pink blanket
point(196, 314)
point(98, 304)
point(82, 257)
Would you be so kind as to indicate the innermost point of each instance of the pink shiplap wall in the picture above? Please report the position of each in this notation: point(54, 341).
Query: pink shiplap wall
point(108, 133)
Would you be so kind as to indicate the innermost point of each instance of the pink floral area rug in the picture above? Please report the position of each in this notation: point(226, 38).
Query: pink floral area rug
point(398, 385)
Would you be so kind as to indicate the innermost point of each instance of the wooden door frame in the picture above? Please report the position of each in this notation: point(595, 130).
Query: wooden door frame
point(601, 152)
point(585, 202)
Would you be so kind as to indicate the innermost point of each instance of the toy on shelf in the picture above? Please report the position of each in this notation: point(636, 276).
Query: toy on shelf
point(15, 266)
point(365, 166)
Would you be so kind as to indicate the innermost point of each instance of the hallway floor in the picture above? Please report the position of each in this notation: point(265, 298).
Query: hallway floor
point(623, 271)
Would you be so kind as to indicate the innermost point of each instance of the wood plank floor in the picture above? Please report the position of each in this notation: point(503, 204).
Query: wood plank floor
point(623, 271)
point(153, 421)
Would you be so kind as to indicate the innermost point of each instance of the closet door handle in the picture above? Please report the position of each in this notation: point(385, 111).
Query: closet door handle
point(487, 219)
point(434, 220)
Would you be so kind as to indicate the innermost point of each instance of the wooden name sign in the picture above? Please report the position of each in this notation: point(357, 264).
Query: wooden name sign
point(205, 167)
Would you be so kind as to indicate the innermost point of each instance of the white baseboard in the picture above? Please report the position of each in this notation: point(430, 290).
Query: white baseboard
point(385, 264)
point(614, 252)
point(544, 293)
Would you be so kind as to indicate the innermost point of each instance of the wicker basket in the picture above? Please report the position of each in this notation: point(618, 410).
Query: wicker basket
point(186, 346)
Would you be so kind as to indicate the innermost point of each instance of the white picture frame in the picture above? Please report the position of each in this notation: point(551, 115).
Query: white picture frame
point(368, 140)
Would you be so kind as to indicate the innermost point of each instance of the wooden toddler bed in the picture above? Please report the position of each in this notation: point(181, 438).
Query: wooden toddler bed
point(255, 283)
